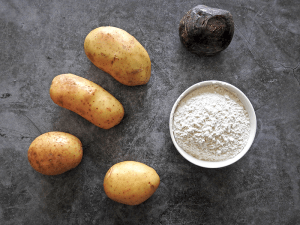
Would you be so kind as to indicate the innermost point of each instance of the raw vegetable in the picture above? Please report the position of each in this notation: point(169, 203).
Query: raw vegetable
point(87, 99)
point(130, 182)
point(54, 153)
point(118, 53)
point(206, 31)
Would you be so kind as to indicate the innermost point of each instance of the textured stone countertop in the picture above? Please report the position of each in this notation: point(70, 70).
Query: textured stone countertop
point(42, 39)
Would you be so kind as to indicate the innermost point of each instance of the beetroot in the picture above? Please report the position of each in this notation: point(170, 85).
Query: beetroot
point(206, 31)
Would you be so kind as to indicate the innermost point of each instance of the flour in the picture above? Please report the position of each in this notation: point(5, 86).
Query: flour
point(211, 124)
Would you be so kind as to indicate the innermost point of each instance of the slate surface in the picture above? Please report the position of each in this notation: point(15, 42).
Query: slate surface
point(41, 39)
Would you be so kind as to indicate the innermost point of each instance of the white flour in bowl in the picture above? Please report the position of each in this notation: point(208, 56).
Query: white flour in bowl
point(211, 124)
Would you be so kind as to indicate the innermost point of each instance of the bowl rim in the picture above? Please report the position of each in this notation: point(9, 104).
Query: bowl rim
point(248, 106)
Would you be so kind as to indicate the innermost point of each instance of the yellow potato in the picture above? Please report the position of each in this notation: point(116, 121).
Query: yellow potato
point(54, 153)
point(130, 182)
point(118, 53)
point(87, 99)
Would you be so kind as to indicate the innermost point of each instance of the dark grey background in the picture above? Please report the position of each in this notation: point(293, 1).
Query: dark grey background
point(42, 39)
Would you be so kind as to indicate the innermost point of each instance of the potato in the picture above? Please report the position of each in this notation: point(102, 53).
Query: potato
point(54, 153)
point(130, 182)
point(87, 99)
point(118, 53)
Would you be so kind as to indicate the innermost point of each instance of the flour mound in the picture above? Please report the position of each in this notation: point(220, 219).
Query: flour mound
point(211, 124)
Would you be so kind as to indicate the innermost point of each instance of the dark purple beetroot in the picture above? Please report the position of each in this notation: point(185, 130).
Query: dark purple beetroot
point(205, 30)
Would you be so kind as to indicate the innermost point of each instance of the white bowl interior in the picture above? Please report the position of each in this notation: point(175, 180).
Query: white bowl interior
point(248, 106)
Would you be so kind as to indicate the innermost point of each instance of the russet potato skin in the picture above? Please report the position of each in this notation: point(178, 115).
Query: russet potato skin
point(87, 99)
point(118, 53)
point(130, 182)
point(54, 153)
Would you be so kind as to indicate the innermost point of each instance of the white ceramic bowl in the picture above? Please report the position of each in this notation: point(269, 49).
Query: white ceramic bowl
point(248, 107)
